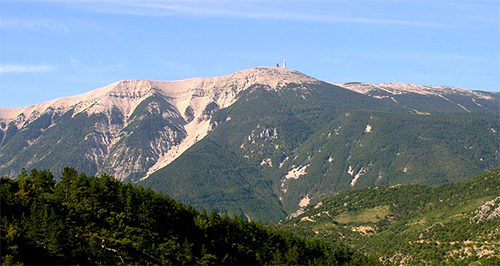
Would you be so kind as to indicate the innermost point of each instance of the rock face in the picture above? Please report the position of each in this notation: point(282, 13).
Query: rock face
point(128, 129)
point(488, 211)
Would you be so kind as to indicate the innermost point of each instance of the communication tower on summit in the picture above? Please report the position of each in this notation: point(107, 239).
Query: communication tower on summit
point(284, 63)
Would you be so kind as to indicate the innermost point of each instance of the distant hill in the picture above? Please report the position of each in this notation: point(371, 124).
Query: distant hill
point(412, 224)
point(261, 143)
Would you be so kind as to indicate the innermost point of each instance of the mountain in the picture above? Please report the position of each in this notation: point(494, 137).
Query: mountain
point(128, 129)
point(262, 142)
point(449, 224)
point(281, 150)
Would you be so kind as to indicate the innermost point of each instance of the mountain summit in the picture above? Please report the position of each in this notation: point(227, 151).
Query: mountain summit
point(261, 142)
point(125, 95)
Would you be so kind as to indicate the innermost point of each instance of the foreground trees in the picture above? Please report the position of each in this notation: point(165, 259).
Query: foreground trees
point(99, 220)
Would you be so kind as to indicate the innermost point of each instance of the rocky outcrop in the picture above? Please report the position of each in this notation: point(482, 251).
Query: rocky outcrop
point(489, 210)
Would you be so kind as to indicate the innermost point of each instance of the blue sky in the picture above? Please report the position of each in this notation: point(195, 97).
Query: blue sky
point(57, 48)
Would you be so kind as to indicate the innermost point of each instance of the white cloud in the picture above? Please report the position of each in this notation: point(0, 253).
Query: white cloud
point(16, 68)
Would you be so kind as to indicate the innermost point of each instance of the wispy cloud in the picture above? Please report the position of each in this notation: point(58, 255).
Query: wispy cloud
point(284, 10)
point(16, 68)
point(195, 8)
point(32, 24)
point(50, 24)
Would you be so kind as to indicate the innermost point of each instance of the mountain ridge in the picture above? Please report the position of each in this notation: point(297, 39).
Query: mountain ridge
point(396, 88)
point(143, 87)
point(120, 89)
point(406, 95)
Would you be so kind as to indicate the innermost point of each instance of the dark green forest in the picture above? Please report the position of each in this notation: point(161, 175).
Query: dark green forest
point(102, 221)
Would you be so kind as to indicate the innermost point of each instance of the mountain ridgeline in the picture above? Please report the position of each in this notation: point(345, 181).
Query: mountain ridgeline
point(261, 143)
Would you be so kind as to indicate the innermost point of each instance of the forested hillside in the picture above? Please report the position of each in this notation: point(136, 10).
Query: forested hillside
point(100, 220)
point(413, 224)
